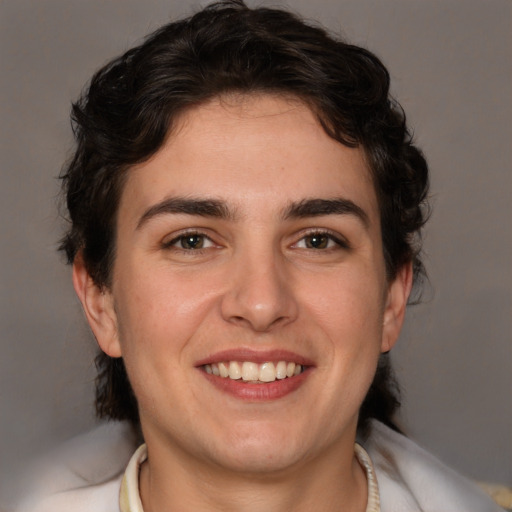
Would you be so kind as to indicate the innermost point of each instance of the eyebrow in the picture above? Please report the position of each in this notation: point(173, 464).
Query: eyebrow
point(320, 207)
point(218, 209)
point(188, 206)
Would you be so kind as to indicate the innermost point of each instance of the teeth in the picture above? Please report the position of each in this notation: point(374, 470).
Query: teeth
point(281, 370)
point(235, 372)
point(254, 372)
point(267, 372)
point(223, 370)
point(250, 371)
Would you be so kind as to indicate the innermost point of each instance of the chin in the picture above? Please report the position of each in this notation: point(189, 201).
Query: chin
point(260, 461)
point(261, 452)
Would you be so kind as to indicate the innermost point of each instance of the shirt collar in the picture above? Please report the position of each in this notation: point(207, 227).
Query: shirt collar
point(129, 496)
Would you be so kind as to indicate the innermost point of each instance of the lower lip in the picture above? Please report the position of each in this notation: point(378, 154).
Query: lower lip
point(258, 392)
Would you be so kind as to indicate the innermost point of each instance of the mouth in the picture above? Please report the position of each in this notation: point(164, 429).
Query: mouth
point(256, 376)
point(254, 373)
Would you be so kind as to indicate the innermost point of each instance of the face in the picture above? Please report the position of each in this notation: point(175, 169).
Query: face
point(249, 297)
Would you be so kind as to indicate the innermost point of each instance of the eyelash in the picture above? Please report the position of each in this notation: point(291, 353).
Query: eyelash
point(182, 236)
point(331, 237)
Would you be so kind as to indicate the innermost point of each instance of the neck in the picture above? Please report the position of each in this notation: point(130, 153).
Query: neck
point(331, 482)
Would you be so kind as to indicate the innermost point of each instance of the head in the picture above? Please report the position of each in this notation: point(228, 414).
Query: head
point(135, 103)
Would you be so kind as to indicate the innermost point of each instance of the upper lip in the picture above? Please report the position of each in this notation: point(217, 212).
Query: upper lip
point(255, 356)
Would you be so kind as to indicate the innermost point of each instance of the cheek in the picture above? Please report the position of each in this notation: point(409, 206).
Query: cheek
point(156, 319)
point(158, 310)
point(349, 313)
point(346, 302)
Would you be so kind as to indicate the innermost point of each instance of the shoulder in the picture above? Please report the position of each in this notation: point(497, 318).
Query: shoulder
point(410, 479)
point(82, 475)
point(103, 497)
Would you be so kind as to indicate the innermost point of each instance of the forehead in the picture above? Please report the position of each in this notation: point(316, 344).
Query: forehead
point(268, 149)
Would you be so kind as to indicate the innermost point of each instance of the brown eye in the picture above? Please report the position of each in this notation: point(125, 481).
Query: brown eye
point(191, 241)
point(321, 240)
point(317, 241)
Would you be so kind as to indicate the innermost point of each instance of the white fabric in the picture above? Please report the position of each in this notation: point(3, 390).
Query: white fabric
point(84, 474)
point(373, 497)
point(409, 479)
point(130, 500)
point(412, 480)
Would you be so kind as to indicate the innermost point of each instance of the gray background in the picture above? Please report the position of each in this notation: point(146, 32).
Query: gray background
point(450, 63)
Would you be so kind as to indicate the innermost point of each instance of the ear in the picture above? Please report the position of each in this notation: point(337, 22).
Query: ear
point(396, 303)
point(99, 309)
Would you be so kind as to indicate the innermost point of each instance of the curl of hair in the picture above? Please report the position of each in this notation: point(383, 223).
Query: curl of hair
point(132, 103)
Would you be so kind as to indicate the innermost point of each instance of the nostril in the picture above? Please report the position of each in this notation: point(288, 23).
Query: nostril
point(258, 298)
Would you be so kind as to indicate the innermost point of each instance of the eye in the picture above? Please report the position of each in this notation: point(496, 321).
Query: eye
point(319, 240)
point(190, 242)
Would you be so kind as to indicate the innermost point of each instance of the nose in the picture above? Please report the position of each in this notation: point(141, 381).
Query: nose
point(260, 295)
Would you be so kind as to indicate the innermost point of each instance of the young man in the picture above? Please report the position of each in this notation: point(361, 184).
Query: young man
point(245, 205)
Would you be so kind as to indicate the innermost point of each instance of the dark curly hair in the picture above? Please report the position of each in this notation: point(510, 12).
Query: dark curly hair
point(131, 104)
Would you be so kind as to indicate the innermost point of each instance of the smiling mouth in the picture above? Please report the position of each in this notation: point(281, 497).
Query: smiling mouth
point(254, 373)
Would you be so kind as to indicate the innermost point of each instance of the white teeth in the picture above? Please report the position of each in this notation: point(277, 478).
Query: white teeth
point(281, 370)
point(223, 370)
point(249, 371)
point(267, 372)
point(234, 370)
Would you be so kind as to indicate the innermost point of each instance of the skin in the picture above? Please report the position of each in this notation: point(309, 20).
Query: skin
point(311, 284)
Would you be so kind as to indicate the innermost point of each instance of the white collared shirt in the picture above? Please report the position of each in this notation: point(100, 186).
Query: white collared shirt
point(129, 496)
point(90, 477)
